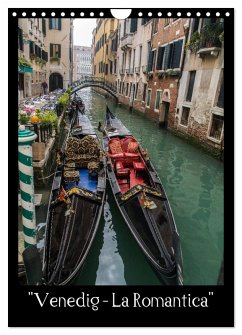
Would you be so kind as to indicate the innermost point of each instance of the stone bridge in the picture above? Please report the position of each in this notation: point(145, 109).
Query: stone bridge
point(90, 81)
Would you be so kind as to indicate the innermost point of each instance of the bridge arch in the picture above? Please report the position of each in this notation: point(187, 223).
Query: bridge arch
point(90, 81)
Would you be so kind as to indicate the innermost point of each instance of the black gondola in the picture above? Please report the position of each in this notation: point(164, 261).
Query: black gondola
point(142, 200)
point(76, 203)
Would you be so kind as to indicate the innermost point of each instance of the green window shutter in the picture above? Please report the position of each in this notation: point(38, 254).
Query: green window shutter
point(50, 23)
point(150, 61)
point(59, 24)
point(51, 50)
point(170, 56)
point(160, 57)
point(133, 25)
point(59, 50)
point(177, 49)
point(166, 57)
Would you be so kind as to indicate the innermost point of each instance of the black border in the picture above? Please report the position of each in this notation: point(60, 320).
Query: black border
point(23, 309)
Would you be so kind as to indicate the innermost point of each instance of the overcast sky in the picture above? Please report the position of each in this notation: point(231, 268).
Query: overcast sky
point(83, 31)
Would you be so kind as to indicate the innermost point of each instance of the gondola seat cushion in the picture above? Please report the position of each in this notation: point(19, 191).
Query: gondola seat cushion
point(119, 165)
point(125, 142)
point(123, 172)
point(139, 166)
point(81, 152)
point(133, 147)
point(131, 155)
point(116, 156)
point(115, 146)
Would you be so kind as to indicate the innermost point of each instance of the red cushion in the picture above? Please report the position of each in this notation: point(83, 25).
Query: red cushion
point(123, 172)
point(131, 155)
point(119, 165)
point(132, 146)
point(125, 142)
point(116, 156)
point(115, 146)
point(139, 166)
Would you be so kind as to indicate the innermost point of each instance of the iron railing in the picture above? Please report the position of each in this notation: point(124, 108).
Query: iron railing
point(209, 36)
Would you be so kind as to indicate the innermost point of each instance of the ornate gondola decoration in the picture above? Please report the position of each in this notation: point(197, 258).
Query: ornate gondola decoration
point(142, 200)
point(76, 203)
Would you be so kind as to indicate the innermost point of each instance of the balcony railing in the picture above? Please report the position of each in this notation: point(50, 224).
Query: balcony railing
point(137, 69)
point(126, 41)
point(144, 68)
point(44, 132)
point(210, 36)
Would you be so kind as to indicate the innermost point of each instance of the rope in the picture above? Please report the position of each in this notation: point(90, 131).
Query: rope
point(47, 176)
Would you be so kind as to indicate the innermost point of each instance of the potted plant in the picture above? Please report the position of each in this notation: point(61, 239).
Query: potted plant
point(194, 42)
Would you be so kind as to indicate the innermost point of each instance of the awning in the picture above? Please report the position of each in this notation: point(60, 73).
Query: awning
point(22, 69)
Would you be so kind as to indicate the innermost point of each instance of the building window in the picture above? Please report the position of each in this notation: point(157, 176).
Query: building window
point(140, 55)
point(185, 116)
point(20, 39)
point(44, 26)
point(127, 89)
point(55, 24)
point(106, 49)
point(155, 25)
point(148, 98)
point(145, 20)
point(157, 100)
point(216, 126)
point(190, 85)
point(136, 90)
point(133, 25)
point(144, 92)
point(159, 64)
point(133, 59)
point(55, 50)
point(167, 21)
point(220, 102)
point(195, 24)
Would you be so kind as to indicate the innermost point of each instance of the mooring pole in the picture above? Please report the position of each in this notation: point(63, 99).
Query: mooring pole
point(25, 140)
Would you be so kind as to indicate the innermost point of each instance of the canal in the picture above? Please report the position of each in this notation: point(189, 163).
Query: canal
point(194, 185)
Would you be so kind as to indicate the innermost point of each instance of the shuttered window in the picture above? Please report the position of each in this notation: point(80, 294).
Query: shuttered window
point(55, 50)
point(31, 48)
point(20, 39)
point(44, 26)
point(157, 99)
point(176, 55)
point(133, 25)
point(168, 56)
point(160, 57)
point(55, 24)
point(190, 85)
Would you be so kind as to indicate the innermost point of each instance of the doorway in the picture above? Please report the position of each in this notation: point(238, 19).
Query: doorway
point(55, 81)
point(164, 112)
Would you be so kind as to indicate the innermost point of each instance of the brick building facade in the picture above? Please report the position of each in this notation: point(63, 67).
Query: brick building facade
point(164, 68)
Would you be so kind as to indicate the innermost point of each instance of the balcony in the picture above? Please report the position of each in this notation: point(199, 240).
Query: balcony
point(144, 68)
point(126, 41)
point(137, 69)
point(210, 41)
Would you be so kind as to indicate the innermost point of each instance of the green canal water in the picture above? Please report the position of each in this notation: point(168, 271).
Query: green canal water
point(194, 185)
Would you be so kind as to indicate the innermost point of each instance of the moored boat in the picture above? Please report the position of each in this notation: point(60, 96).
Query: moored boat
point(142, 200)
point(76, 203)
